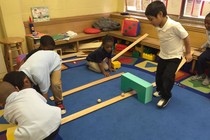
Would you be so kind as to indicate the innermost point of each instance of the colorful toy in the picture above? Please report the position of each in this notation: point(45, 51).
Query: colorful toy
point(148, 56)
point(130, 27)
point(116, 64)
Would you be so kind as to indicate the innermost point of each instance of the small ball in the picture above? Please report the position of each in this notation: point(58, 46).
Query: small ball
point(74, 62)
point(122, 94)
point(99, 100)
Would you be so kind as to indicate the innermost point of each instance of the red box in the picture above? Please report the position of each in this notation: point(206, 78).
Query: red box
point(120, 47)
point(130, 27)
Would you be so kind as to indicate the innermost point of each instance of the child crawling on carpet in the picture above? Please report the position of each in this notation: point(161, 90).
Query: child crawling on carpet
point(35, 119)
point(100, 60)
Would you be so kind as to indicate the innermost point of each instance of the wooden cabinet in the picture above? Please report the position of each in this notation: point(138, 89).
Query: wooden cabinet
point(33, 43)
point(67, 46)
point(3, 69)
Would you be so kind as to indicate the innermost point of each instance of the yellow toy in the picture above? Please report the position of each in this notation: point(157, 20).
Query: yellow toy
point(11, 133)
point(116, 64)
point(148, 56)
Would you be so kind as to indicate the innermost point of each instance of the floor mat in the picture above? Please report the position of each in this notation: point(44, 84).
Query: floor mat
point(127, 60)
point(147, 65)
point(197, 85)
point(3, 136)
point(181, 75)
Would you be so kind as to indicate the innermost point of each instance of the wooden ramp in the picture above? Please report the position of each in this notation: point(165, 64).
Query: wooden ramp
point(96, 107)
point(89, 85)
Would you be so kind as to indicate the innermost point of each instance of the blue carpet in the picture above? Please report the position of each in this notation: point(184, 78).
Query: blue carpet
point(185, 117)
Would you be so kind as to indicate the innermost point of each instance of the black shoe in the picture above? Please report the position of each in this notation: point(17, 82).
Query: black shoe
point(163, 102)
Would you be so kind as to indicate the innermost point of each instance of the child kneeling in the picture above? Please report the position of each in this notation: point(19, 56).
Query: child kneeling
point(100, 60)
point(35, 119)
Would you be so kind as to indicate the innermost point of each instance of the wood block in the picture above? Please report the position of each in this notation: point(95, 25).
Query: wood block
point(96, 107)
point(89, 85)
point(1, 112)
point(72, 60)
point(143, 88)
point(130, 46)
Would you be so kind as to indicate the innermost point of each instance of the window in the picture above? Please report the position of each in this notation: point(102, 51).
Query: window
point(195, 8)
point(139, 5)
point(188, 8)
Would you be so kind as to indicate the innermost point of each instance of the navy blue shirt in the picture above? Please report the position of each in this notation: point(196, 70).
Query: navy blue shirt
point(99, 55)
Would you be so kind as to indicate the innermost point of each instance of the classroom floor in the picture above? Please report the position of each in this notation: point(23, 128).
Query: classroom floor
point(186, 116)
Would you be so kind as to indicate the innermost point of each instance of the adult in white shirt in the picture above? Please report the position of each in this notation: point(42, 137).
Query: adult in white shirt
point(35, 119)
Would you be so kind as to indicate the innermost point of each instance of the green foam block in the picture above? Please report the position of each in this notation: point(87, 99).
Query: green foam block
point(143, 88)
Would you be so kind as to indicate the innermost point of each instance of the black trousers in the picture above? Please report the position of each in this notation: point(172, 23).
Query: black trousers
point(202, 62)
point(165, 76)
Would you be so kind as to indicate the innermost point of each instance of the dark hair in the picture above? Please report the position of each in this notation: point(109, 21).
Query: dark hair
point(16, 78)
point(107, 38)
point(47, 42)
point(208, 15)
point(154, 8)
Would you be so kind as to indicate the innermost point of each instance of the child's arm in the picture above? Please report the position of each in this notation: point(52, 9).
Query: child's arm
point(188, 54)
point(103, 70)
point(110, 65)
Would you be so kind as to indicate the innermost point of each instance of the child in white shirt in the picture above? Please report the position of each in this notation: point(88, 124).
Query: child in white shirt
point(35, 119)
point(173, 41)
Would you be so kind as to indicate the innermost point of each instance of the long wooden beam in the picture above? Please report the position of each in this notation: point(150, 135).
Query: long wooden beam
point(4, 127)
point(1, 112)
point(89, 85)
point(96, 107)
point(72, 60)
point(129, 47)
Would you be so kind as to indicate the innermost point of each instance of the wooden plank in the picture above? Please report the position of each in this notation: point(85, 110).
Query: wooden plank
point(71, 55)
point(89, 85)
point(96, 107)
point(82, 55)
point(4, 127)
point(1, 112)
point(129, 47)
point(91, 45)
point(72, 60)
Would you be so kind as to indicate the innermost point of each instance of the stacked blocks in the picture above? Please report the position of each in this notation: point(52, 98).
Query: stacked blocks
point(148, 56)
point(143, 88)
point(120, 47)
point(116, 64)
